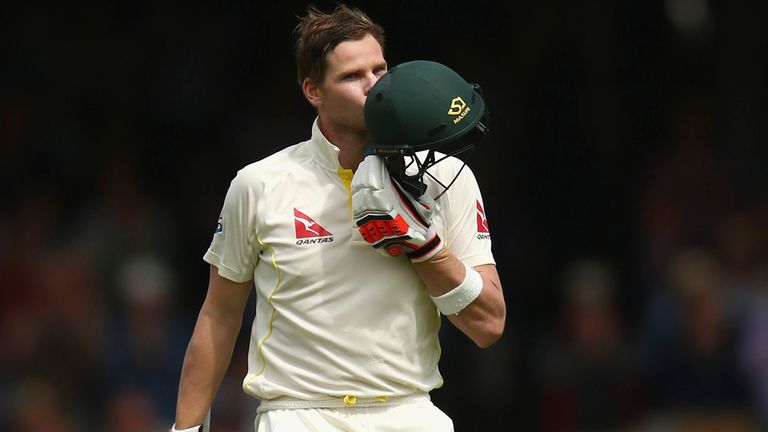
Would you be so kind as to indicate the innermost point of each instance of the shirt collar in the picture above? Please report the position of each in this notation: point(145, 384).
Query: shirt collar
point(325, 153)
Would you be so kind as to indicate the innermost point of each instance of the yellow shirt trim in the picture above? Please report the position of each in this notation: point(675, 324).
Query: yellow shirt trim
point(345, 175)
point(274, 311)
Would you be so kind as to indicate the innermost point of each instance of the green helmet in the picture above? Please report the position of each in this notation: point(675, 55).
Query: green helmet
point(422, 105)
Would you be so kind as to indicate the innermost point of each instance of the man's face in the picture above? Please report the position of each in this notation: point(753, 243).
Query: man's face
point(353, 68)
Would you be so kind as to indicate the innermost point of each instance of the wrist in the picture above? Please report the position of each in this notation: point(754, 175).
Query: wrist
point(455, 300)
point(427, 251)
point(196, 428)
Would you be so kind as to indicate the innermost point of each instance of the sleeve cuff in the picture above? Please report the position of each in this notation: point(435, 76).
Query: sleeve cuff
point(211, 258)
point(480, 259)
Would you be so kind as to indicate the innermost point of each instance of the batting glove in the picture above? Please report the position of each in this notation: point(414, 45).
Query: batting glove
point(390, 219)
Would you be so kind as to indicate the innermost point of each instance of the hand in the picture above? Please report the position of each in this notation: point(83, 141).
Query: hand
point(389, 218)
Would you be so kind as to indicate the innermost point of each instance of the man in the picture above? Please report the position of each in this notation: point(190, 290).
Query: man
point(344, 338)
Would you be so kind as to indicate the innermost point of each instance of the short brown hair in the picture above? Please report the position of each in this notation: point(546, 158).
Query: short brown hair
point(318, 33)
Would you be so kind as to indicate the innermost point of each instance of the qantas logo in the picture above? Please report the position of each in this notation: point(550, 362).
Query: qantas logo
point(308, 231)
point(482, 223)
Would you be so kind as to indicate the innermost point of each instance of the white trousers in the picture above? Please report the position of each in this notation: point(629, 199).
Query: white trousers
point(418, 416)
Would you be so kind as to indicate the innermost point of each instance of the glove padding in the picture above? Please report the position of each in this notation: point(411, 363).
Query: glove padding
point(389, 218)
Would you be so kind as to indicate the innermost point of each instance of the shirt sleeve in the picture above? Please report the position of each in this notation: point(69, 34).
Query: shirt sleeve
point(233, 249)
point(466, 227)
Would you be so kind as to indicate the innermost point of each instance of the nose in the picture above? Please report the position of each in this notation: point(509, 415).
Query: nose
point(371, 80)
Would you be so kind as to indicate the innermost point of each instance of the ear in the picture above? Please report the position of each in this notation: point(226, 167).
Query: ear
point(311, 92)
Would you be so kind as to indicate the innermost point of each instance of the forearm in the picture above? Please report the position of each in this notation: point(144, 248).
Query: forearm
point(206, 361)
point(483, 319)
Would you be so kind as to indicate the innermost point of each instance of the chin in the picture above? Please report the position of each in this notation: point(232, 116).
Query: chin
point(357, 126)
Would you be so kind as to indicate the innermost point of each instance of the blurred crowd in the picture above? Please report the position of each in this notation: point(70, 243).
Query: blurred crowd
point(94, 332)
point(636, 280)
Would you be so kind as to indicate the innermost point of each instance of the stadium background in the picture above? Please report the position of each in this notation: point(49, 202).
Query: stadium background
point(624, 181)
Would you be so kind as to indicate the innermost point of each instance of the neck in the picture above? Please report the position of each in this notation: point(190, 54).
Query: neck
point(349, 142)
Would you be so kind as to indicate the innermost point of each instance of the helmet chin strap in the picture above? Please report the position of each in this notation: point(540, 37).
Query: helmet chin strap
point(413, 184)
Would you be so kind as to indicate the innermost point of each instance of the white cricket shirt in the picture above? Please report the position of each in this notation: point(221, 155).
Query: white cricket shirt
point(333, 317)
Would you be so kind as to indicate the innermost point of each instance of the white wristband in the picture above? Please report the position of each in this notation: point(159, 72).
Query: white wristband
point(460, 297)
point(192, 429)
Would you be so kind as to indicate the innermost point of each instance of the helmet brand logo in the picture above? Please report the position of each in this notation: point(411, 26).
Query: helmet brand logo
point(458, 108)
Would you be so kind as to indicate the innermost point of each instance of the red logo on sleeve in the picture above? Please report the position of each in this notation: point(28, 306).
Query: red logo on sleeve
point(306, 227)
point(482, 222)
